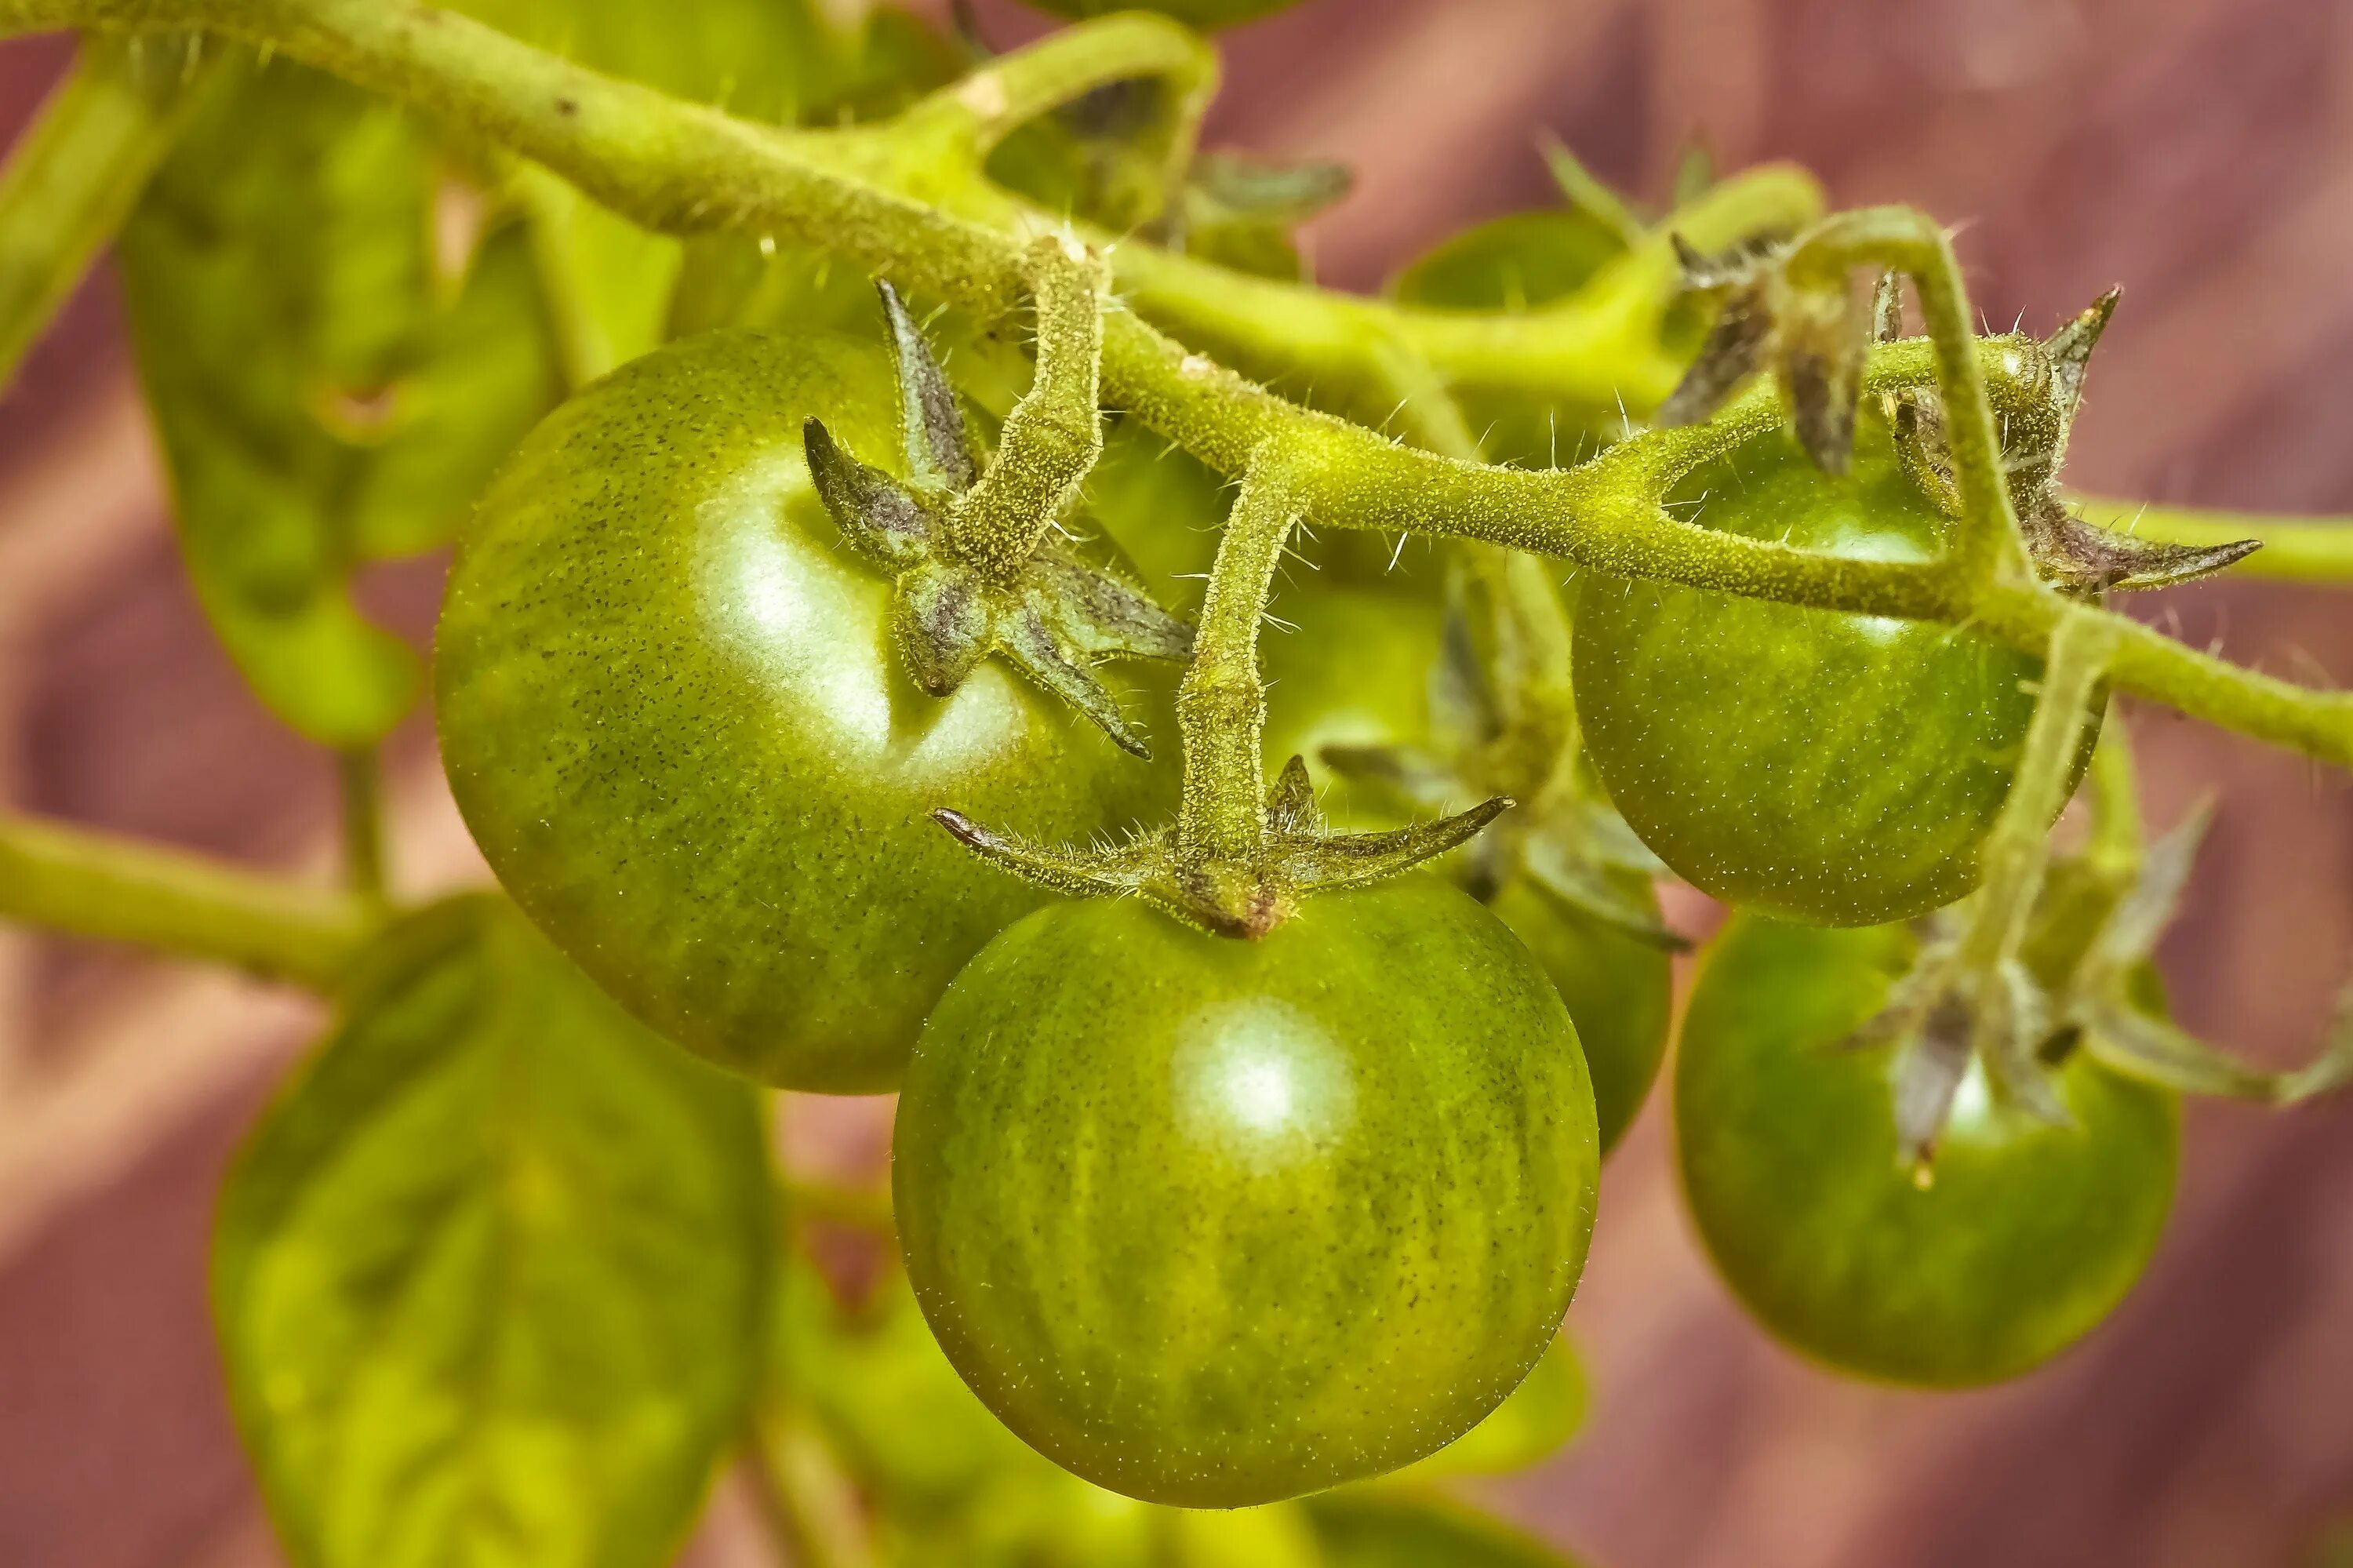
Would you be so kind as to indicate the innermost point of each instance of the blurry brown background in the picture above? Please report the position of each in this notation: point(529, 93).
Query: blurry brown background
point(2199, 151)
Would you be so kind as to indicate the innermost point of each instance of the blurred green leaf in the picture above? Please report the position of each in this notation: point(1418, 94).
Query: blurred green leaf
point(490, 1276)
point(1540, 1415)
point(1387, 1530)
point(1516, 262)
point(1522, 261)
point(291, 331)
point(611, 284)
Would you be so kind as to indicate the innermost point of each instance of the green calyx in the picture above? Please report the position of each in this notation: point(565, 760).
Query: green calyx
point(1233, 894)
point(2049, 956)
point(978, 563)
point(1240, 858)
point(1785, 308)
point(2073, 556)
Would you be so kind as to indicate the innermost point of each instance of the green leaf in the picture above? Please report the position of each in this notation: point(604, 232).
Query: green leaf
point(1365, 1529)
point(490, 1277)
point(615, 288)
point(306, 380)
point(1518, 262)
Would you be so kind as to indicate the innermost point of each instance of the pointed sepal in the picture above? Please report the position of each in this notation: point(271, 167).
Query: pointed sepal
point(2083, 558)
point(931, 422)
point(1812, 333)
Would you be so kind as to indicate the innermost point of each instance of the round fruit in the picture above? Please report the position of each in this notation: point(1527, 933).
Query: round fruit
point(1817, 766)
point(673, 717)
point(1202, 14)
point(1353, 668)
point(1213, 1223)
point(2027, 1235)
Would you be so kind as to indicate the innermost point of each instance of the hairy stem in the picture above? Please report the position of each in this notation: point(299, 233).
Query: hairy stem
point(90, 884)
point(2296, 549)
point(2016, 851)
point(1221, 701)
point(78, 171)
point(1054, 433)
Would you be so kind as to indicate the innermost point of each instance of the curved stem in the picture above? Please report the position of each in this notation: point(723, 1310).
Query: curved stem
point(1911, 242)
point(76, 172)
point(1221, 701)
point(1054, 433)
point(992, 102)
point(2296, 549)
point(91, 885)
point(1598, 346)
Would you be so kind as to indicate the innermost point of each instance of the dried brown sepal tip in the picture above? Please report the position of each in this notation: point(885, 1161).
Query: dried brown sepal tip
point(2076, 556)
point(1940, 1012)
point(1812, 333)
point(1246, 897)
point(1053, 620)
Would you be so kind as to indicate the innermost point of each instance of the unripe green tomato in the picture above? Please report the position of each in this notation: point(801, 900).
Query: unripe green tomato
point(1837, 769)
point(1352, 666)
point(1214, 1222)
point(1204, 15)
point(2026, 1236)
point(673, 714)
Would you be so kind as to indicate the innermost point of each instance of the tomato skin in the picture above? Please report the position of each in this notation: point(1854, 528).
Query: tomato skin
point(674, 721)
point(1353, 669)
point(1837, 769)
point(2028, 1235)
point(1213, 1223)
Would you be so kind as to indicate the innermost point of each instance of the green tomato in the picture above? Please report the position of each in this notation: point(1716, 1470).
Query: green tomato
point(1353, 669)
point(672, 716)
point(1215, 1223)
point(1202, 14)
point(1842, 769)
point(2026, 1237)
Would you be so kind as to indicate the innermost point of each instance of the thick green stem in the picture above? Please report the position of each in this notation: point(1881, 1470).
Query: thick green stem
point(1599, 347)
point(1055, 433)
point(2296, 549)
point(675, 166)
point(90, 884)
point(78, 171)
point(1221, 701)
point(360, 774)
point(2017, 849)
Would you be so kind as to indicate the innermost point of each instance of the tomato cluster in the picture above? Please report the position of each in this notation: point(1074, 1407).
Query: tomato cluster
point(1213, 1221)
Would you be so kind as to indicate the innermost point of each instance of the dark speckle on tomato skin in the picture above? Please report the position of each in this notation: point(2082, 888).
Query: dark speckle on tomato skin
point(672, 716)
point(1212, 1221)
